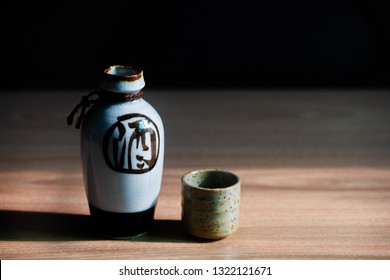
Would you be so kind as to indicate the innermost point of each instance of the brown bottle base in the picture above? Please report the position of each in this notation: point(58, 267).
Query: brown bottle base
point(122, 225)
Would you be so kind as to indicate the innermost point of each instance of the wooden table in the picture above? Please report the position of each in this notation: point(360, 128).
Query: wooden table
point(314, 165)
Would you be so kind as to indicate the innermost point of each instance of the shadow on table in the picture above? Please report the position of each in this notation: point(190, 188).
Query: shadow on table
point(41, 226)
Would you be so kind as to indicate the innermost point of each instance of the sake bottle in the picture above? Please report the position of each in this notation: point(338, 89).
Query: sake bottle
point(122, 153)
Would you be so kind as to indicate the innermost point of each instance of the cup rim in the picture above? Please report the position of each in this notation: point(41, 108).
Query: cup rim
point(238, 181)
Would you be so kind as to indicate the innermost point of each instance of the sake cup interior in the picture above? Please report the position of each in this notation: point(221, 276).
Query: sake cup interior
point(210, 179)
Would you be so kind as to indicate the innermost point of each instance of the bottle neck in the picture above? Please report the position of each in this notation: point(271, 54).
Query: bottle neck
point(105, 95)
point(122, 80)
point(117, 83)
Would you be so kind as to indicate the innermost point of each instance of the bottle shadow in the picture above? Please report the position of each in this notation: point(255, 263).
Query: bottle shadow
point(43, 226)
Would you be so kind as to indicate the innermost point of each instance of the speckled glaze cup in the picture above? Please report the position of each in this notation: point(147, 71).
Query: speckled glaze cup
point(210, 203)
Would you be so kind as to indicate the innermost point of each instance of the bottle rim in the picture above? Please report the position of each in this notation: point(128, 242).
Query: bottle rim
point(120, 72)
point(122, 79)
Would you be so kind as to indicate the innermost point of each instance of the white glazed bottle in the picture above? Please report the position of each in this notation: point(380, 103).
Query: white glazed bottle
point(122, 151)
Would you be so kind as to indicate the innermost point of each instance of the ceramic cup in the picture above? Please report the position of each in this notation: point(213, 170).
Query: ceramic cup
point(210, 203)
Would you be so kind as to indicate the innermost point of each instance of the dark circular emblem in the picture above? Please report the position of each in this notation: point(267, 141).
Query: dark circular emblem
point(132, 144)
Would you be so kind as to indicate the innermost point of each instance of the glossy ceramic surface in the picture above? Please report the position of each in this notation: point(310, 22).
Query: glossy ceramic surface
point(122, 149)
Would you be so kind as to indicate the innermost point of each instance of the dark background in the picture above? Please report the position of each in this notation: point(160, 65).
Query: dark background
point(200, 43)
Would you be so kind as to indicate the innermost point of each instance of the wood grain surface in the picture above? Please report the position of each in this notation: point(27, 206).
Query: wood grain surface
point(314, 165)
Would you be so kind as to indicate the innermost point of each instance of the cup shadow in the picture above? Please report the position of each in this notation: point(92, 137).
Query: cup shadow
point(43, 226)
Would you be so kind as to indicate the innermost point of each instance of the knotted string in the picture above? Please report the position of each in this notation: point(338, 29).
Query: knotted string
point(94, 97)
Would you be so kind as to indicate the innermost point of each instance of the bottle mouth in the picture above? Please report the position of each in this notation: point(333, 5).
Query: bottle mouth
point(122, 79)
point(124, 72)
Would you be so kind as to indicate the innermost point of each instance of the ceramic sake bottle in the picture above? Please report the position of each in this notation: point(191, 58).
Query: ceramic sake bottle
point(122, 152)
